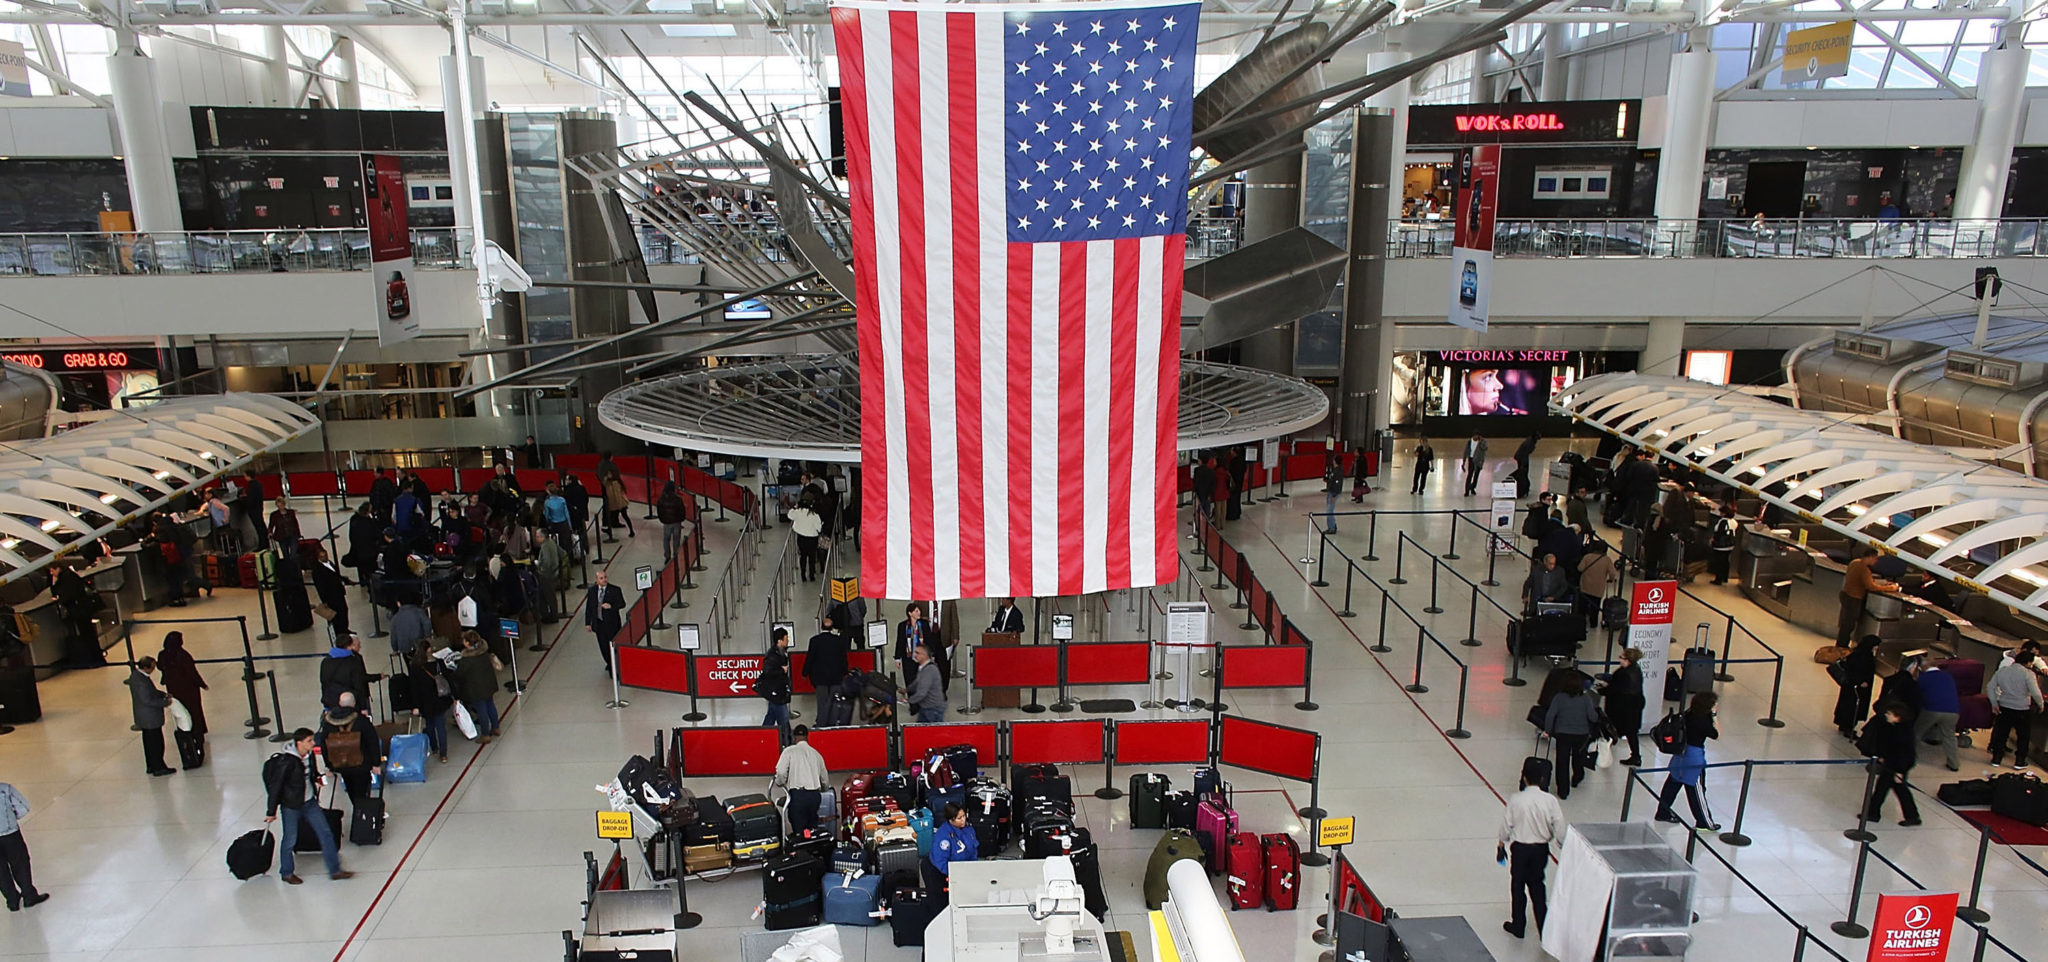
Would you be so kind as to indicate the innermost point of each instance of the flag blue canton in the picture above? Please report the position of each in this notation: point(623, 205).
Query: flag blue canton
point(1097, 114)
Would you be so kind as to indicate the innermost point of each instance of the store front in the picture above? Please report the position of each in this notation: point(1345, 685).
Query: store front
point(96, 375)
point(1568, 160)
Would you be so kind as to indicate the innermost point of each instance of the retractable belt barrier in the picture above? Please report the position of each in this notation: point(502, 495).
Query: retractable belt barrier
point(1287, 660)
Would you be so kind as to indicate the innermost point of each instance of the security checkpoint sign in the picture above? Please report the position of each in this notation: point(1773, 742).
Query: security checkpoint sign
point(1651, 607)
point(727, 676)
point(1912, 928)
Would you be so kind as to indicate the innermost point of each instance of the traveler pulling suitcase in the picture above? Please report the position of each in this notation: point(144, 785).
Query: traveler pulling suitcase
point(1148, 799)
point(1699, 663)
point(1282, 856)
point(1244, 870)
point(853, 900)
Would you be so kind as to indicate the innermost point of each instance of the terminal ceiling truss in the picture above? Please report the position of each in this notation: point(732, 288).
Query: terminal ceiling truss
point(1978, 525)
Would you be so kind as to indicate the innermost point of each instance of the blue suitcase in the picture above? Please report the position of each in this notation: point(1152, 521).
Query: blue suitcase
point(853, 900)
point(921, 823)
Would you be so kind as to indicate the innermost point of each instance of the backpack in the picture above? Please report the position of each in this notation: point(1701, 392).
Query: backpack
point(343, 749)
point(1669, 733)
point(1723, 538)
point(529, 586)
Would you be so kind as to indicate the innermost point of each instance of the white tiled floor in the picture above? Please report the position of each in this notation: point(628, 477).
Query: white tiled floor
point(484, 861)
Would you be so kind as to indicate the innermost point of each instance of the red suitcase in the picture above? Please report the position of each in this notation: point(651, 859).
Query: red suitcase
point(857, 787)
point(246, 567)
point(1282, 857)
point(1244, 871)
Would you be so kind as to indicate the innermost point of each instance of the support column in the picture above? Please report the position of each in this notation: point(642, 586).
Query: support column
point(2001, 107)
point(145, 152)
point(277, 73)
point(1682, 161)
point(1556, 76)
point(1664, 348)
point(462, 165)
point(1272, 203)
point(1368, 349)
point(1394, 100)
point(348, 94)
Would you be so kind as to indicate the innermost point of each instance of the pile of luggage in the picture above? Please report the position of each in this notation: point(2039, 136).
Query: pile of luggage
point(1202, 824)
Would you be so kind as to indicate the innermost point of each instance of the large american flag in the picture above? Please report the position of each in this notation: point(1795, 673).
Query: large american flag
point(1019, 184)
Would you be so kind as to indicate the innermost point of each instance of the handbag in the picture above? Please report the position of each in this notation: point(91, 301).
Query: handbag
point(1839, 671)
point(323, 612)
point(180, 715)
point(463, 722)
point(1603, 754)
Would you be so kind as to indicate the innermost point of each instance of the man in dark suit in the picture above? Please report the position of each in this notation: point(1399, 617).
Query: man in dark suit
point(604, 613)
point(333, 591)
point(383, 493)
point(1008, 617)
point(913, 631)
point(825, 666)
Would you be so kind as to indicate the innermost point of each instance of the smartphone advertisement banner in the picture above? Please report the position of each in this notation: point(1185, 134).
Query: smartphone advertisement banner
point(1651, 605)
point(1472, 248)
point(390, 248)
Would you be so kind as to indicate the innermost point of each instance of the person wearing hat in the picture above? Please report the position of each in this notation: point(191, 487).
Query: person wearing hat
point(1533, 821)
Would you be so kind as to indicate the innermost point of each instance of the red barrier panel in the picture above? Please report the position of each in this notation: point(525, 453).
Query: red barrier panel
point(863, 659)
point(1290, 635)
point(1077, 742)
point(861, 749)
point(533, 480)
point(1273, 749)
point(712, 752)
point(655, 668)
point(313, 484)
point(571, 462)
point(1109, 663)
point(1264, 666)
point(1255, 595)
point(921, 739)
point(357, 482)
point(1025, 666)
point(1163, 742)
point(474, 479)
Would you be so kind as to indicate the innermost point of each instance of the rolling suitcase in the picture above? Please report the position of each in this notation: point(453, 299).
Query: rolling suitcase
point(1148, 799)
point(706, 858)
point(1283, 871)
point(2022, 798)
point(19, 702)
point(251, 854)
point(792, 890)
point(756, 826)
point(1244, 870)
point(294, 611)
point(963, 760)
point(857, 787)
point(1180, 810)
point(921, 826)
point(1208, 782)
point(1699, 664)
point(910, 911)
point(191, 749)
point(849, 857)
point(1046, 841)
point(989, 812)
point(713, 826)
point(366, 824)
point(853, 900)
point(1044, 811)
point(1042, 781)
point(246, 571)
point(1087, 861)
point(309, 842)
point(1215, 822)
point(892, 855)
point(1177, 846)
point(813, 842)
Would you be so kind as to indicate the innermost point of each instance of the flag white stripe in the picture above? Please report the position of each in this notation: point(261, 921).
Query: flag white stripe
point(888, 278)
point(1095, 453)
point(995, 300)
point(942, 374)
point(1046, 508)
point(1145, 413)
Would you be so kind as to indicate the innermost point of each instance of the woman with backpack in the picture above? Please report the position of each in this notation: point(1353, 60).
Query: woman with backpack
point(1689, 762)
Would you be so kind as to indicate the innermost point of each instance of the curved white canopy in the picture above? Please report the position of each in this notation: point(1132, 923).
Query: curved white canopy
point(1854, 480)
point(59, 491)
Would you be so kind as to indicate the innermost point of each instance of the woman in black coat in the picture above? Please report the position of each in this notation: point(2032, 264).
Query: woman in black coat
point(1623, 698)
point(1859, 669)
point(182, 679)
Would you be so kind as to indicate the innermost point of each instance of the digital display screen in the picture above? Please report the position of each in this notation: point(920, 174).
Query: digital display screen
point(1502, 391)
point(750, 309)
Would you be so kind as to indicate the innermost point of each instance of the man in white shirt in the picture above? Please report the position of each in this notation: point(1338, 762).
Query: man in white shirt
point(801, 770)
point(15, 881)
point(1533, 821)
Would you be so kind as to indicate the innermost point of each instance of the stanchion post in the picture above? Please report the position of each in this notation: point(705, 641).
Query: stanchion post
point(1380, 646)
point(1315, 787)
point(1349, 569)
point(1847, 927)
point(1727, 642)
point(1400, 554)
point(1421, 638)
point(1970, 912)
point(1325, 933)
point(1435, 567)
point(1372, 537)
point(1471, 639)
point(277, 709)
point(1734, 836)
point(654, 602)
point(617, 702)
point(583, 562)
point(1308, 677)
point(1109, 789)
point(1514, 678)
point(262, 608)
point(1458, 727)
point(1322, 569)
point(1491, 557)
point(376, 616)
point(693, 715)
point(1862, 833)
point(1451, 554)
point(256, 719)
point(1777, 679)
point(1628, 794)
point(1201, 545)
point(248, 654)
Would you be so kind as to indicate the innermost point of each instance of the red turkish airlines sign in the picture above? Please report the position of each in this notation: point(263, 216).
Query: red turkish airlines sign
point(1650, 602)
point(1912, 928)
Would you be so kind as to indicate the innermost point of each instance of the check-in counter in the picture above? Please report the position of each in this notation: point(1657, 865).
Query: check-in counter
point(1800, 583)
point(114, 579)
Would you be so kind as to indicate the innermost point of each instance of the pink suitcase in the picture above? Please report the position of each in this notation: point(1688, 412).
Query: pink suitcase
point(1215, 823)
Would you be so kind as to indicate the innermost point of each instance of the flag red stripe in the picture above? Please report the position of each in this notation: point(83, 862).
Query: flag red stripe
point(853, 85)
point(1021, 468)
point(1173, 256)
point(1073, 481)
point(967, 318)
point(1123, 363)
point(910, 187)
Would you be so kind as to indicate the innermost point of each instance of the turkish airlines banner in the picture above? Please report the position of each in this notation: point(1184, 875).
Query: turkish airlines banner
point(1912, 928)
point(390, 248)
point(1472, 247)
point(1651, 607)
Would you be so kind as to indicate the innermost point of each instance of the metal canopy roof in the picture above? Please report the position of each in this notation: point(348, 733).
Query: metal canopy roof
point(809, 408)
point(60, 491)
point(1933, 508)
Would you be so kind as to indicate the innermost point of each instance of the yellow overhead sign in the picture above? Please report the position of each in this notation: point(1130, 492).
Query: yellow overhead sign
point(1337, 831)
point(1817, 52)
point(845, 589)
point(615, 825)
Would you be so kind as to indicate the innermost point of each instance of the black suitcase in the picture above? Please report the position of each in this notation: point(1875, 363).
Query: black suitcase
point(366, 826)
point(2022, 798)
point(756, 826)
point(1042, 781)
point(1049, 840)
point(812, 842)
point(1614, 613)
point(1043, 811)
point(250, 854)
point(1674, 686)
point(712, 826)
point(1545, 636)
point(309, 842)
point(1699, 668)
point(1088, 871)
point(191, 749)
point(1973, 791)
point(19, 703)
point(963, 760)
point(910, 911)
point(1180, 810)
point(792, 892)
point(294, 612)
point(990, 813)
point(1148, 799)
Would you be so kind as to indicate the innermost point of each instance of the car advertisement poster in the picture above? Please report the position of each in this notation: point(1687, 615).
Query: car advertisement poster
point(390, 248)
point(1651, 605)
point(1472, 246)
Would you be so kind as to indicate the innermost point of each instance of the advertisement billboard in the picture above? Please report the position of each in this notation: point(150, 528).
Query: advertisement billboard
point(1472, 248)
point(384, 203)
point(1651, 606)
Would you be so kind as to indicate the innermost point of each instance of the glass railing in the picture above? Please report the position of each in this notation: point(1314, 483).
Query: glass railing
point(1799, 238)
point(213, 252)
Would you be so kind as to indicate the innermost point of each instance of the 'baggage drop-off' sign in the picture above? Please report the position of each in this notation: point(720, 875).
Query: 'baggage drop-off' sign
point(727, 676)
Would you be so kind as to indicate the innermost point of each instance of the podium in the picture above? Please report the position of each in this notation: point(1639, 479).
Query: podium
point(1001, 697)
